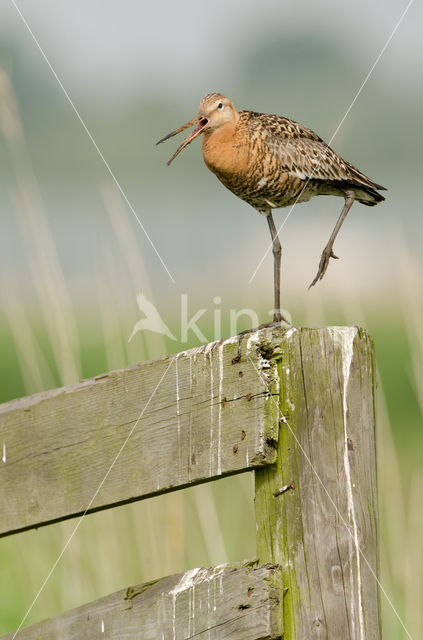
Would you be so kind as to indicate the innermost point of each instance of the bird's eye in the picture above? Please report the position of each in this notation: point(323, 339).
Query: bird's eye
point(220, 105)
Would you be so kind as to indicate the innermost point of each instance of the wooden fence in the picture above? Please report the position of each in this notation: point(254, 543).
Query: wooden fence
point(296, 407)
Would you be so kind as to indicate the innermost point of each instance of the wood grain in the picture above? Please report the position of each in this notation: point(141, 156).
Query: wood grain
point(137, 432)
point(322, 528)
point(234, 602)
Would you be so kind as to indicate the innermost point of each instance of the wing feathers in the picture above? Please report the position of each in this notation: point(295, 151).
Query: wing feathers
point(300, 151)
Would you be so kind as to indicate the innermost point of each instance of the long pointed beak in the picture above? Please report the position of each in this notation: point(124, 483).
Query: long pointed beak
point(199, 129)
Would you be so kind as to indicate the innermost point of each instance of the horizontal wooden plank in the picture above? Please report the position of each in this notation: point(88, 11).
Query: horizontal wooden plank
point(234, 602)
point(137, 432)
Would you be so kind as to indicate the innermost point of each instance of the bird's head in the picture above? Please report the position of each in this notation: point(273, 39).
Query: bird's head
point(214, 111)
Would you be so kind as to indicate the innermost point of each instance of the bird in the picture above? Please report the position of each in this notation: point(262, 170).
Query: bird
point(270, 162)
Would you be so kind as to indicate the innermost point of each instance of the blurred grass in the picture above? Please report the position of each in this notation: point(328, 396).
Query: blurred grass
point(212, 523)
point(51, 339)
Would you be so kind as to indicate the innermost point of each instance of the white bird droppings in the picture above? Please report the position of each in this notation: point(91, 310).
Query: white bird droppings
point(4, 452)
point(187, 582)
point(211, 413)
point(219, 453)
point(345, 338)
point(178, 413)
point(289, 333)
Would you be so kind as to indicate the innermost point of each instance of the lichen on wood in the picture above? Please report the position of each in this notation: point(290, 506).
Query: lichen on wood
point(228, 601)
point(324, 531)
point(137, 432)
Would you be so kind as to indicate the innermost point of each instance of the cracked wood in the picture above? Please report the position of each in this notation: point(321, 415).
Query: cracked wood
point(190, 418)
point(234, 602)
point(316, 508)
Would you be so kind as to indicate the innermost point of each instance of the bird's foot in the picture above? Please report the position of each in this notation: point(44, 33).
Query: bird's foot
point(324, 263)
point(266, 325)
point(277, 317)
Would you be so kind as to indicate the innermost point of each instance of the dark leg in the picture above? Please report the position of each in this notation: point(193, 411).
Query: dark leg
point(327, 251)
point(277, 316)
point(277, 252)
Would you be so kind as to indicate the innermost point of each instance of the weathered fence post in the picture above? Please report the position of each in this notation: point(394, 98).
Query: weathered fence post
point(316, 508)
point(296, 406)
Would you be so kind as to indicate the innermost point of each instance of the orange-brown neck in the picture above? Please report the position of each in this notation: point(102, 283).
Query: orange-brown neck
point(220, 135)
point(221, 151)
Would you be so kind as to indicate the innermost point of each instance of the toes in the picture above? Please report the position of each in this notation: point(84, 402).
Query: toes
point(323, 265)
point(313, 283)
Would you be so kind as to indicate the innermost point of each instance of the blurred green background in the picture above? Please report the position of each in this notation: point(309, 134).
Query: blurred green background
point(73, 257)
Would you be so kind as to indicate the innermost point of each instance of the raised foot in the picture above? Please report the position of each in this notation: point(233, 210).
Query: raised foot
point(324, 263)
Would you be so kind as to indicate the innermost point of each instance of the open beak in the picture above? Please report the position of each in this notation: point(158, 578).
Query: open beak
point(201, 125)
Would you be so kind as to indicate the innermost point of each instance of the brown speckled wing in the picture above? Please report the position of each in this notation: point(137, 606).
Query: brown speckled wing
point(299, 150)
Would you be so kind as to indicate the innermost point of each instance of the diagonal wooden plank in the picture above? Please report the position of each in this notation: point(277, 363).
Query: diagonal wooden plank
point(192, 417)
point(234, 602)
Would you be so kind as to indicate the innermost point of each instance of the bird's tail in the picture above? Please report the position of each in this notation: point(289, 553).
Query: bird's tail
point(366, 190)
point(368, 195)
